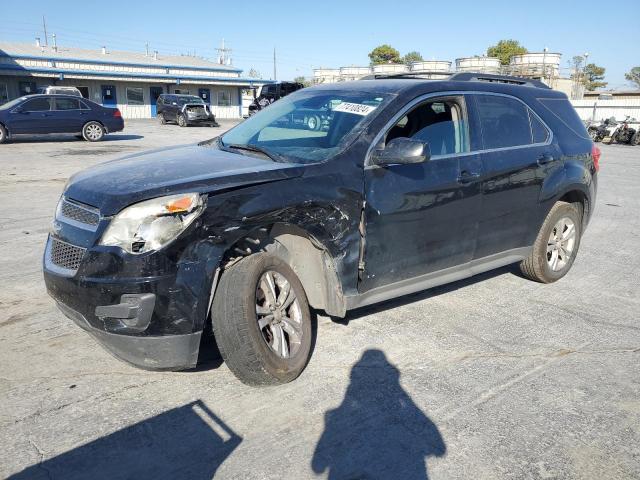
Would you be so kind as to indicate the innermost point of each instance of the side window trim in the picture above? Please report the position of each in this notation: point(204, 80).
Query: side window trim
point(466, 93)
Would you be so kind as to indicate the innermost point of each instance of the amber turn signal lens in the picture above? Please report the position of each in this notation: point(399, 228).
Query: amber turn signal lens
point(184, 204)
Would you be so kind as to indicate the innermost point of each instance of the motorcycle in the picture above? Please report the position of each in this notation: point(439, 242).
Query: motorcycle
point(627, 132)
point(602, 130)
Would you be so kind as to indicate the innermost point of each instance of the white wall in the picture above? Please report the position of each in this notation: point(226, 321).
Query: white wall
point(618, 108)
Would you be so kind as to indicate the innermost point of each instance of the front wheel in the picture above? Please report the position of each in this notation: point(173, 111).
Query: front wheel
point(262, 321)
point(93, 132)
point(557, 244)
point(3, 134)
point(635, 140)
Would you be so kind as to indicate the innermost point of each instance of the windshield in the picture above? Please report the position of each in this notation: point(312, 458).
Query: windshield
point(12, 103)
point(194, 99)
point(307, 126)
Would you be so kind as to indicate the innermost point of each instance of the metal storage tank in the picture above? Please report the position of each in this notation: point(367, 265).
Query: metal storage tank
point(544, 64)
point(326, 75)
point(478, 64)
point(353, 73)
point(431, 66)
point(390, 68)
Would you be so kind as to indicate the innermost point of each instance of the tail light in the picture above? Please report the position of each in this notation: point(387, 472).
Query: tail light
point(595, 153)
point(116, 113)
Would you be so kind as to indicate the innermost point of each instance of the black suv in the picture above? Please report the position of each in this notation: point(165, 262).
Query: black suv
point(412, 184)
point(272, 92)
point(185, 110)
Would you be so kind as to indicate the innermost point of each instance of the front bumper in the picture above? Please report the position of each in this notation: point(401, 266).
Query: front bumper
point(146, 310)
point(169, 352)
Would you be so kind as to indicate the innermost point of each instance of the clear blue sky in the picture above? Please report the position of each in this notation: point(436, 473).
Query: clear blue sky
point(335, 33)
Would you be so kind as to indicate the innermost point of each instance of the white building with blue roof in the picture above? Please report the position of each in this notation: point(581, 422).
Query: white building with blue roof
point(130, 81)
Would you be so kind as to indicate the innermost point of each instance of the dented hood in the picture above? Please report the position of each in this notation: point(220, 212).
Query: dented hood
point(114, 185)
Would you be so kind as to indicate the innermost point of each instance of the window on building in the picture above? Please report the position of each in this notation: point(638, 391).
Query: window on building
point(504, 120)
point(224, 98)
point(67, 104)
point(4, 93)
point(40, 104)
point(135, 96)
point(27, 88)
point(84, 91)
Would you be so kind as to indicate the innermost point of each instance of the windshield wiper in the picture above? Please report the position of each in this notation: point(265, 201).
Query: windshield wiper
point(253, 148)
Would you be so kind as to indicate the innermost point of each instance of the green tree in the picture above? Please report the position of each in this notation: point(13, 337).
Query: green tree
point(505, 49)
point(303, 81)
point(384, 54)
point(634, 76)
point(411, 57)
point(593, 76)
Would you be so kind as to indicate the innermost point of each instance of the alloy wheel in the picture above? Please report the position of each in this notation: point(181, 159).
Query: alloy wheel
point(278, 314)
point(93, 131)
point(561, 244)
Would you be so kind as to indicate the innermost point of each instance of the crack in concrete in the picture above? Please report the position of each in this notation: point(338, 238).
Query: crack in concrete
point(556, 353)
point(41, 461)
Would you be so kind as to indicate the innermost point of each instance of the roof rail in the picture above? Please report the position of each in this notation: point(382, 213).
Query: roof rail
point(382, 76)
point(489, 77)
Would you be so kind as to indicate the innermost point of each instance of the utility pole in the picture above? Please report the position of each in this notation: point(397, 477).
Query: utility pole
point(222, 54)
point(275, 77)
point(44, 26)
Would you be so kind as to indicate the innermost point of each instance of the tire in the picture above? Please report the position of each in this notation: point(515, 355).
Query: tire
point(635, 140)
point(93, 132)
point(243, 345)
point(3, 134)
point(181, 120)
point(539, 266)
point(314, 123)
point(161, 119)
point(593, 133)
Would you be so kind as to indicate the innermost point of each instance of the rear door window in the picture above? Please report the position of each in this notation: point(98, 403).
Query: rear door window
point(504, 122)
point(67, 104)
point(41, 104)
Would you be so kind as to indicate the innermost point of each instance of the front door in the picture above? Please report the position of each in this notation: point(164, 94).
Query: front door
point(154, 93)
point(421, 218)
point(109, 98)
point(517, 157)
point(33, 116)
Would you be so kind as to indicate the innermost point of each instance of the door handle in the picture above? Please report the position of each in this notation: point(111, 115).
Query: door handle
point(467, 177)
point(544, 159)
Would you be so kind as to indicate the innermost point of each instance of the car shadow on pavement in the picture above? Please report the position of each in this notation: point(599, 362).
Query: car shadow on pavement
point(184, 442)
point(112, 137)
point(377, 431)
point(426, 294)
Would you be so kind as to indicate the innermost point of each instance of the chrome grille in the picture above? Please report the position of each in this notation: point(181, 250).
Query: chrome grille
point(79, 213)
point(65, 255)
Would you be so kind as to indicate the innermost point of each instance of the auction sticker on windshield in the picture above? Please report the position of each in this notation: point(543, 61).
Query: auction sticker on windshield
point(357, 108)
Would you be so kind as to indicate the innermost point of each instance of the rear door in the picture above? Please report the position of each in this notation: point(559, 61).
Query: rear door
point(517, 157)
point(67, 115)
point(33, 116)
point(421, 218)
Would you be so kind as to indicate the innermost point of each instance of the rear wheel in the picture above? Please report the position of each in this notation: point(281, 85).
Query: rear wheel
point(93, 132)
point(635, 140)
point(557, 244)
point(261, 321)
point(161, 119)
point(182, 121)
point(3, 134)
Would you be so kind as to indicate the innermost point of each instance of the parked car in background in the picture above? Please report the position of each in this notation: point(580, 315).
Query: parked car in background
point(59, 90)
point(272, 92)
point(410, 184)
point(184, 110)
point(43, 114)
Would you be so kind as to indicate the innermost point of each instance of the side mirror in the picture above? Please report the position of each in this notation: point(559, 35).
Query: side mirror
point(402, 150)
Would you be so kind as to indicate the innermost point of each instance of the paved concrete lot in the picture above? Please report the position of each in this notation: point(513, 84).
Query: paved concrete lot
point(493, 377)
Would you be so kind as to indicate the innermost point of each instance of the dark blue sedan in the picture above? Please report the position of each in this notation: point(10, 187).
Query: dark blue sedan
point(41, 114)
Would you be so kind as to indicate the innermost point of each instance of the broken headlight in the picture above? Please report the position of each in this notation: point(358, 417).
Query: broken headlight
point(152, 224)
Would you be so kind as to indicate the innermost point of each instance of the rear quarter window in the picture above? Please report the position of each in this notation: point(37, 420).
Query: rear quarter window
point(563, 111)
